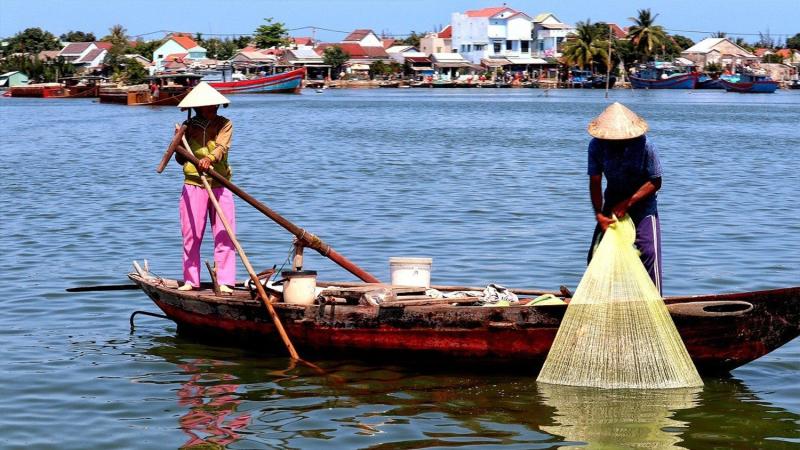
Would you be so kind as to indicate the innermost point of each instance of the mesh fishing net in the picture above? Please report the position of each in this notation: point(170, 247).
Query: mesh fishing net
point(617, 331)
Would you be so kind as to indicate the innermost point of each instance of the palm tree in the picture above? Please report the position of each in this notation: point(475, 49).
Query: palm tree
point(645, 35)
point(585, 46)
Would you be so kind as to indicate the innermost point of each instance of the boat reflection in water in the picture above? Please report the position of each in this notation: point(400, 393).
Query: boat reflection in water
point(605, 418)
point(212, 420)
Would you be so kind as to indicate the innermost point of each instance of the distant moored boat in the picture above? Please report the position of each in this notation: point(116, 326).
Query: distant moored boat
point(751, 83)
point(663, 76)
point(287, 82)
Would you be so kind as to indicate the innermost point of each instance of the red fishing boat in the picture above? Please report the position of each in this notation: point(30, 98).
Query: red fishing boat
point(721, 331)
point(281, 83)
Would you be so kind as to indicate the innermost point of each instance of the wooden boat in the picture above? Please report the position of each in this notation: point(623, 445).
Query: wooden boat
point(163, 90)
point(38, 90)
point(663, 76)
point(281, 83)
point(721, 332)
point(751, 84)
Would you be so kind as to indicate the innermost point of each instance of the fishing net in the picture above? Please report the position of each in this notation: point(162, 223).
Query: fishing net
point(617, 331)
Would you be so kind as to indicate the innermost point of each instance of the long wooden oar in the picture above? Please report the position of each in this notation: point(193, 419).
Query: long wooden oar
point(307, 238)
point(275, 319)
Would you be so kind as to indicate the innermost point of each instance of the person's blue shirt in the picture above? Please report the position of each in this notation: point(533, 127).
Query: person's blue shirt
point(626, 165)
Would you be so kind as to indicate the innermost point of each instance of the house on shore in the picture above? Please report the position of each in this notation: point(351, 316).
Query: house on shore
point(11, 79)
point(719, 51)
point(306, 57)
point(364, 48)
point(437, 42)
point(177, 47)
point(85, 56)
point(549, 34)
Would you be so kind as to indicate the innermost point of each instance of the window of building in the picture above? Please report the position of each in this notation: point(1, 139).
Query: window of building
point(526, 46)
point(509, 45)
point(480, 47)
point(541, 46)
point(438, 49)
point(497, 47)
point(469, 48)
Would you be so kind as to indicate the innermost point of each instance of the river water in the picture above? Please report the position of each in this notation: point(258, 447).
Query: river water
point(489, 183)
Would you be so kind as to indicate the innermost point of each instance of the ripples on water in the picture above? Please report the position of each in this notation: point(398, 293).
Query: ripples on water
point(491, 184)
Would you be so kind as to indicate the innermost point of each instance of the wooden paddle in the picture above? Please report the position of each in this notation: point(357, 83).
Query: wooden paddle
point(304, 237)
point(253, 276)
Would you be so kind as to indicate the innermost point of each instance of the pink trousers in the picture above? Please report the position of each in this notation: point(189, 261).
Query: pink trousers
point(194, 208)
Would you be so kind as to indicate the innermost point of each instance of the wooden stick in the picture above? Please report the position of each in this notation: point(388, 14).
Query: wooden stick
point(275, 319)
point(212, 271)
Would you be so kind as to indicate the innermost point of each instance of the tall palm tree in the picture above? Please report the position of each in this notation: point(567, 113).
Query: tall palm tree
point(586, 45)
point(646, 36)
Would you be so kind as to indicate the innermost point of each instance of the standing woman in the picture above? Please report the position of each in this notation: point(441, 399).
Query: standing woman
point(209, 136)
point(621, 152)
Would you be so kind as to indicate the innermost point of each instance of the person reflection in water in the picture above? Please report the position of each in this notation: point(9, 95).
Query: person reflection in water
point(212, 401)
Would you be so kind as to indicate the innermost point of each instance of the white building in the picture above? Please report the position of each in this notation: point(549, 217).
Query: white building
point(549, 33)
point(496, 32)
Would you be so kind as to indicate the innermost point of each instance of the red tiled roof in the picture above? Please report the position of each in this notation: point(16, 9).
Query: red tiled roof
point(272, 51)
point(446, 33)
point(355, 50)
point(75, 48)
point(760, 52)
point(784, 53)
point(487, 12)
point(176, 56)
point(619, 33)
point(89, 57)
point(183, 40)
point(103, 44)
point(357, 35)
point(302, 40)
point(418, 59)
point(387, 42)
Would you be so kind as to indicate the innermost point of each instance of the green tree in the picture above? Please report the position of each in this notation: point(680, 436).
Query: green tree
point(145, 48)
point(719, 34)
point(412, 39)
point(271, 35)
point(335, 57)
point(772, 58)
point(134, 72)
point(377, 69)
point(647, 37)
point(682, 42)
point(585, 45)
point(793, 42)
point(713, 69)
point(33, 41)
point(118, 38)
point(77, 36)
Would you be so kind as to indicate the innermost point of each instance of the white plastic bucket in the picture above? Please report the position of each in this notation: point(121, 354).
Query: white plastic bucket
point(300, 287)
point(411, 271)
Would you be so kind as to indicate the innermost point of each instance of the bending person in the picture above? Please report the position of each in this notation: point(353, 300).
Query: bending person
point(621, 152)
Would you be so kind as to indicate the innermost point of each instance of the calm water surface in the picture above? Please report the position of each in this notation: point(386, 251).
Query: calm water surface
point(491, 184)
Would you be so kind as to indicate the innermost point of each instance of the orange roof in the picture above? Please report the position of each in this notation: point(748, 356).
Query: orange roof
point(619, 33)
point(487, 12)
point(302, 40)
point(183, 40)
point(784, 53)
point(446, 33)
point(387, 42)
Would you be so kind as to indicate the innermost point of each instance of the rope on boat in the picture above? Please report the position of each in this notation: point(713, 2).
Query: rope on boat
point(146, 313)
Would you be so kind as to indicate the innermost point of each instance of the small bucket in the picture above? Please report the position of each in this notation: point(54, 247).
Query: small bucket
point(411, 271)
point(300, 287)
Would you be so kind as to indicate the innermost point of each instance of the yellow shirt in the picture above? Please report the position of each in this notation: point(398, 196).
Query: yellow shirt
point(208, 139)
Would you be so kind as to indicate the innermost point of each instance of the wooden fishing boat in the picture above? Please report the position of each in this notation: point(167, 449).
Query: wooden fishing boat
point(38, 90)
point(282, 83)
point(751, 84)
point(163, 90)
point(663, 75)
point(721, 332)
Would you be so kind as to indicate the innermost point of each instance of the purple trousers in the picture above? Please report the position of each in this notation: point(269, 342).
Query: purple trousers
point(648, 242)
point(196, 210)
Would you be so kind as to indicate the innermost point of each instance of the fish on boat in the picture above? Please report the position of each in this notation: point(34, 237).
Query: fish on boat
point(281, 83)
point(721, 331)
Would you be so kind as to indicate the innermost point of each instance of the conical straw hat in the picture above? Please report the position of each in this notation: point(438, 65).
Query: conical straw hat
point(617, 122)
point(203, 95)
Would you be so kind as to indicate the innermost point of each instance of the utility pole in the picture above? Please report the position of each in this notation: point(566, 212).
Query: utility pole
point(608, 59)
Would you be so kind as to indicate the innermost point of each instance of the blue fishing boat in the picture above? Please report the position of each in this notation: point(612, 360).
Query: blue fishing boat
point(663, 75)
point(707, 82)
point(751, 83)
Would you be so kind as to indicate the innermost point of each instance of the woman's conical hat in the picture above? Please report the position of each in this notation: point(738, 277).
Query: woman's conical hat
point(617, 122)
point(203, 95)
